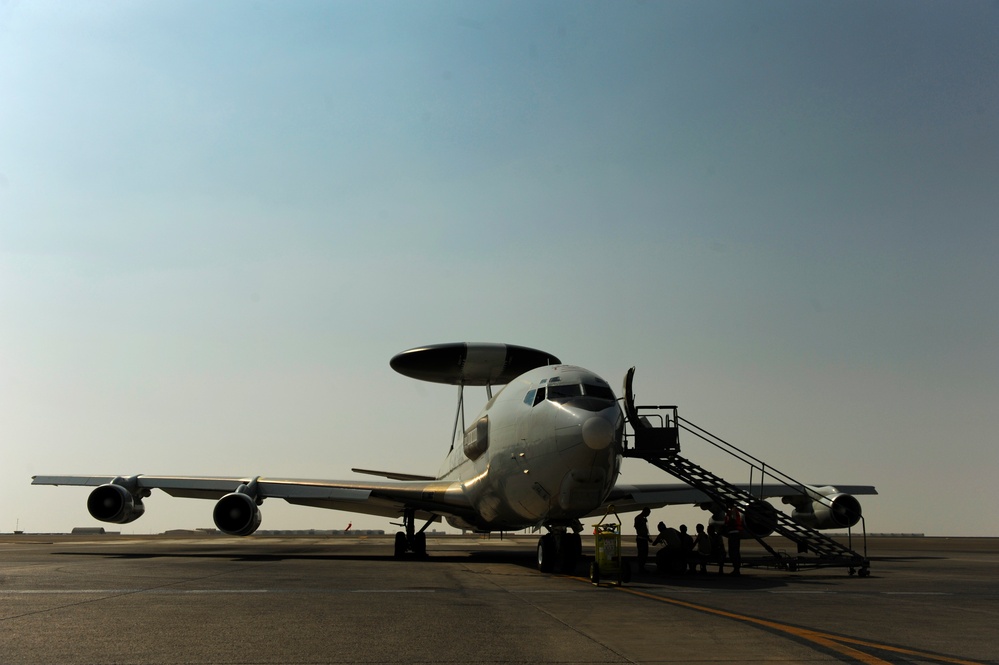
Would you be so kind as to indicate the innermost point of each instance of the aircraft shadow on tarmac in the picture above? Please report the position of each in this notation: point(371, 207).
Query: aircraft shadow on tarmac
point(749, 580)
point(520, 558)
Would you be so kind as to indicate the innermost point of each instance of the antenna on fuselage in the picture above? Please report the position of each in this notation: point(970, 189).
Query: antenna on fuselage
point(459, 412)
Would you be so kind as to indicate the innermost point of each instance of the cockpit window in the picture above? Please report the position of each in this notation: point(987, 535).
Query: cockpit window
point(588, 396)
point(560, 391)
point(593, 390)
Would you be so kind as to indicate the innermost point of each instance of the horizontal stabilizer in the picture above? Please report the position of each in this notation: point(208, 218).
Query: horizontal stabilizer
point(394, 476)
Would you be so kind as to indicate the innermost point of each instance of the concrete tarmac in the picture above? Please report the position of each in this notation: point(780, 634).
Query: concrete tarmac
point(344, 599)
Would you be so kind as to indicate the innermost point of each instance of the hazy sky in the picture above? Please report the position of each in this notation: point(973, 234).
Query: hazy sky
point(219, 221)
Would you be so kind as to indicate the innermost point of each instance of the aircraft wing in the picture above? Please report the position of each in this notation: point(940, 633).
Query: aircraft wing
point(429, 498)
point(627, 498)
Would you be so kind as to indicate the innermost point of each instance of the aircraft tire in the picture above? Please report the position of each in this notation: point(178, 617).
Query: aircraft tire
point(546, 553)
point(571, 550)
point(400, 544)
point(420, 544)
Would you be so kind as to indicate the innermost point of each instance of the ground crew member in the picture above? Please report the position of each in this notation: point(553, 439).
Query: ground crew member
point(669, 537)
point(702, 548)
point(717, 547)
point(733, 528)
point(642, 536)
point(687, 545)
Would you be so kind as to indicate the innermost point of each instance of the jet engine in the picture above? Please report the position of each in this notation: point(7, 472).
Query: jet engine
point(115, 503)
point(759, 519)
point(828, 510)
point(237, 514)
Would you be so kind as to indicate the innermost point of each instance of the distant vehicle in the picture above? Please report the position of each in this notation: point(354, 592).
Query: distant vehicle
point(545, 451)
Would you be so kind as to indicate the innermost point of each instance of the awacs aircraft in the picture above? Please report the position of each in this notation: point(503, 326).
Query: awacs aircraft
point(545, 451)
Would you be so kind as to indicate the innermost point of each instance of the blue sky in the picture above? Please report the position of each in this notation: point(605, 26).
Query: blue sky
point(218, 221)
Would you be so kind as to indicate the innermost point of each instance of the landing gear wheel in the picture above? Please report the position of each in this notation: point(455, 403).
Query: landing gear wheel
point(595, 573)
point(570, 551)
point(865, 572)
point(546, 553)
point(400, 545)
point(420, 544)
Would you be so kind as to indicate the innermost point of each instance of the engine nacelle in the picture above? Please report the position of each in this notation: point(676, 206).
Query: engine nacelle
point(828, 510)
point(759, 519)
point(115, 504)
point(237, 514)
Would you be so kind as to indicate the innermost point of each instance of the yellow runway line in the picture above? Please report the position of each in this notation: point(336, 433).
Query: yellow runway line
point(839, 644)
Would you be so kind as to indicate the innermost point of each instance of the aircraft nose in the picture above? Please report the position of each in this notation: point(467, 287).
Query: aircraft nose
point(598, 433)
point(594, 428)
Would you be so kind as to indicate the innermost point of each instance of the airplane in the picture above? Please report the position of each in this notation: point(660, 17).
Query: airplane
point(545, 452)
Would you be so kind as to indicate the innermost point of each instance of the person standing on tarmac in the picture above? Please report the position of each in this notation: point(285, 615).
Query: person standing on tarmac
point(642, 537)
point(687, 545)
point(733, 527)
point(702, 548)
point(717, 547)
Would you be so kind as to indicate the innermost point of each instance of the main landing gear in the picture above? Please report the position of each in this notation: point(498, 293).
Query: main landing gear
point(559, 549)
point(411, 541)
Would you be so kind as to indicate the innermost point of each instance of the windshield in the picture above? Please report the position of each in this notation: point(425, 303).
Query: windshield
point(559, 392)
point(599, 395)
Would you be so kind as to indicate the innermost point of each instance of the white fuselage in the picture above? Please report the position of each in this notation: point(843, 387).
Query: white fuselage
point(545, 450)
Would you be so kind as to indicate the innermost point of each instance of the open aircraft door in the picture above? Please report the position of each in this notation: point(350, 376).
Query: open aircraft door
point(662, 438)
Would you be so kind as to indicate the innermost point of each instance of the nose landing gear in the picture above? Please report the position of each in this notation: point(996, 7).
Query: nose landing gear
point(560, 549)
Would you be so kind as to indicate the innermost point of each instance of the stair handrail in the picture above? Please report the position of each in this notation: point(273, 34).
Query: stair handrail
point(753, 462)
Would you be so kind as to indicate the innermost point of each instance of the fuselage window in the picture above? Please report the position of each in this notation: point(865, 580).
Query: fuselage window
point(540, 396)
point(529, 399)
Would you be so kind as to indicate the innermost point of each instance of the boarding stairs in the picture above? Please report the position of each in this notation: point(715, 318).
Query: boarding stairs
point(655, 438)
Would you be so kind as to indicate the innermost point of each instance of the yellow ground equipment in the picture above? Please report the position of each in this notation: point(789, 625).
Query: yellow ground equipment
point(607, 559)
